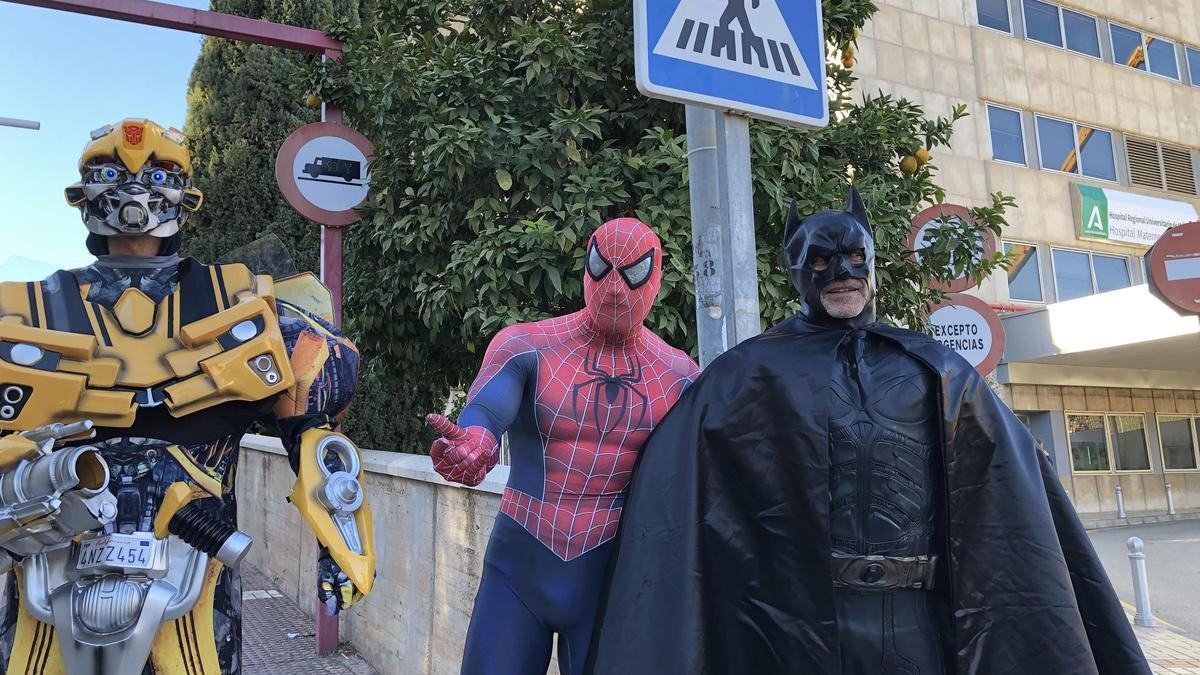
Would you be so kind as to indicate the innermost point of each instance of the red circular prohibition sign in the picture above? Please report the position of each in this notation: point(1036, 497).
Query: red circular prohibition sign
point(1174, 263)
point(287, 155)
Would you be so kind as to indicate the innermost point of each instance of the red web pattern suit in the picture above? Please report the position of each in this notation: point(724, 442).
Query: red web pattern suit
point(578, 395)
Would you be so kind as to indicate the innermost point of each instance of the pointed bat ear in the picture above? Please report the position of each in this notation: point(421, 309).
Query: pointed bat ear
point(792, 224)
point(856, 208)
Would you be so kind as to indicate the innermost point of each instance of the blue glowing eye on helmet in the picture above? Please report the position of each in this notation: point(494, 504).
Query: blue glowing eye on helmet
point(110, 174)
point(158, 177)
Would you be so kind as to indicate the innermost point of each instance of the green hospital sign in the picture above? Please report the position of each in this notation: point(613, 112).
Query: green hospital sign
point(1128, 217)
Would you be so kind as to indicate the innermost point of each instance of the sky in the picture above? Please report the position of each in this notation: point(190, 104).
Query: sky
point(73, 73)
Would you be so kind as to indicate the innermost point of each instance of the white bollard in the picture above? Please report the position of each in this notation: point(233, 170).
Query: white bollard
point(1141, 585)
point(1170, 501)
point(1120, 504)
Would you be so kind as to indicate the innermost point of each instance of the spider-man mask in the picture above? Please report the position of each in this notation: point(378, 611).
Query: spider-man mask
point(622, 274)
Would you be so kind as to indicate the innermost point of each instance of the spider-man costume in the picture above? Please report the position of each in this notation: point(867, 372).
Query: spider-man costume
point(578, 395)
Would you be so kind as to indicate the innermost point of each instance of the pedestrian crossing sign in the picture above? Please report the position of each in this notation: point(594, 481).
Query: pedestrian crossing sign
point(762, 57)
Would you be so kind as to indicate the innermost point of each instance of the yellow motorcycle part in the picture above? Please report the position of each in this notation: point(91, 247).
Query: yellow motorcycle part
point(310, 480)
point(179, 495)
point(35, 647)
point(14, 448)
point(187, 645)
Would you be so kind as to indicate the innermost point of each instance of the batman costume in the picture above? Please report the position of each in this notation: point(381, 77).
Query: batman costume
point(842, 497)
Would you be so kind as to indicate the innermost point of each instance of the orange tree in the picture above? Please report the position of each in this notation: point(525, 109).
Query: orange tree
point(505, 132)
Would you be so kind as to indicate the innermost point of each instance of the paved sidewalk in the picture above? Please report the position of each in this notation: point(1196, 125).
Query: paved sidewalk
point(277, 638)
point(1169, 651)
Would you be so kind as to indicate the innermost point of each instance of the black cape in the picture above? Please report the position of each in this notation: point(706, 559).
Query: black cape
point(723, 560)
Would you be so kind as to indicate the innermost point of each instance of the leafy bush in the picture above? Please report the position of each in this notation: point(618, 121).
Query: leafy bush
point(506, 132)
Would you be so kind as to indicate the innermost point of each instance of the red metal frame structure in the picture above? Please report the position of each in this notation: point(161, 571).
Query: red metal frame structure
point(201, 21)
point(164, 15)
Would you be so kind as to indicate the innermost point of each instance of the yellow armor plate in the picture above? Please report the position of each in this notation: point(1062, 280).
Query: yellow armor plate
point(140, 348)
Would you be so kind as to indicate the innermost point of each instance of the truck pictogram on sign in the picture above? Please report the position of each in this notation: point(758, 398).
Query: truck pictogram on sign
point(346, 169)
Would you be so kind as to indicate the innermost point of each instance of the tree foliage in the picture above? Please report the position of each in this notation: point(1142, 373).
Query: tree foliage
point(243, 102)
point(506, 132)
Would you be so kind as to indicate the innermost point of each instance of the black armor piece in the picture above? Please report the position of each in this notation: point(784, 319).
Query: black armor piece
point(883, 432)
point(883, 449)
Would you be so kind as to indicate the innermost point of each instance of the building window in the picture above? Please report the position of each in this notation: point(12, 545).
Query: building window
point(1178, 435)
point(1193, 64)
point(1162, 57)
point(1060, 27)
point(1008, 140)
point(1024, 277)
point(1076, 148)
point(1112, 273)
point(1079, 273)
point(1143, 51)
point(1127, 47)
point(1160, 166)
point(1072, 274)
point(1128, 434)
point(1089, 444)
point(1096, 439)
point(1081, 32)
point(994, 14)
point(1042, 22)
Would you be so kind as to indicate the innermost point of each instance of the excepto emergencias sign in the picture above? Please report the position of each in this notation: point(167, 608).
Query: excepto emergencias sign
point(1128, 217)
point(969, 326)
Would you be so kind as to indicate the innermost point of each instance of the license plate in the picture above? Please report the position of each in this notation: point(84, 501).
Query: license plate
point(117, 550)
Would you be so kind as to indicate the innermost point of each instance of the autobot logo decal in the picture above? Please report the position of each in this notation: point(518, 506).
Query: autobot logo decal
point(608, 398)
point(133, 134)
point(702, 31)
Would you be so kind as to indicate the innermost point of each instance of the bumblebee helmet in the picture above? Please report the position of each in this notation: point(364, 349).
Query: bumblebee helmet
point(135, 178)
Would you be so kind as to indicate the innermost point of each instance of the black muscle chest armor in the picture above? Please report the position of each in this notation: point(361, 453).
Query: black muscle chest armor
point(883, 448)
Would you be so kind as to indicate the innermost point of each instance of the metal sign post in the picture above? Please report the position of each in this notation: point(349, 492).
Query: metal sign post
point(723, 245)
point(764, 59)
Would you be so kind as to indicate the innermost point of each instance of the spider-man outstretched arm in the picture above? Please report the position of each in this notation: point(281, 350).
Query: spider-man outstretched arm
point(468, 450)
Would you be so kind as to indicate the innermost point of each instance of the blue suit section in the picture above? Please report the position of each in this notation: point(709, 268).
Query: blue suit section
point(526, 595)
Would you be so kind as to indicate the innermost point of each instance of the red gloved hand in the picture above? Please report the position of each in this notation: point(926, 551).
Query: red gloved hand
point(462, 455)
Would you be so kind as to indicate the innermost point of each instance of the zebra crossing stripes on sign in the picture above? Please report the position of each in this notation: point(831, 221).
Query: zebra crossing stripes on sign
point(762, 57)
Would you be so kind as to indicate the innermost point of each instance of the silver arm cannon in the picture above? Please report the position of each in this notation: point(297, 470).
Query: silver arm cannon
point(49, 495)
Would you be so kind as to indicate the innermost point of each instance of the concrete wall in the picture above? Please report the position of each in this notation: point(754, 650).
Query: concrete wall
point(430, 539)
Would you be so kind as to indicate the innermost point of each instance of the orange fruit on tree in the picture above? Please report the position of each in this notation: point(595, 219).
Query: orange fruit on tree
point(909, 164)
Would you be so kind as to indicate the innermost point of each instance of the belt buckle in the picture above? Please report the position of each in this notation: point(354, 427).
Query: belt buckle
point(869, 573)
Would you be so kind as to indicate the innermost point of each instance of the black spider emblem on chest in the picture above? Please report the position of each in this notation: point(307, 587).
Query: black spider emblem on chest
point(611, 396)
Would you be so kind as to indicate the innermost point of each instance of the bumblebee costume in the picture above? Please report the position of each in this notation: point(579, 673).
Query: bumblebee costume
point(123, 545)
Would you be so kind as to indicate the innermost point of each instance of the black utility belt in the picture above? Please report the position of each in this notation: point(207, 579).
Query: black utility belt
point(882, 573)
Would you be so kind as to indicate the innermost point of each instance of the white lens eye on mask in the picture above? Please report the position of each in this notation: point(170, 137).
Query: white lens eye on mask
point(638, 272)
point(597, 266)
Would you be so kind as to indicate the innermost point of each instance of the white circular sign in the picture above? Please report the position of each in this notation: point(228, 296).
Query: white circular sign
point(970, 327)
point(331, 173)
point(964, 330)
